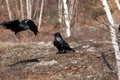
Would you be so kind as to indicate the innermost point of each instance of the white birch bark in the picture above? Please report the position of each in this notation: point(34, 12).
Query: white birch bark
point(36, 9)
point(67, 20)
point(60, 11)
point(118, 4)
point(30, 9)
point(21, 5)
point(40, 16)
point(71, 9)
point(27, 7)
point(113, 35)
point(75, 11)
point(8, 8)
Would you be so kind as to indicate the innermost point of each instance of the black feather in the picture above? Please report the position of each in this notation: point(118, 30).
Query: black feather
point(61, 44)
point(17, 26)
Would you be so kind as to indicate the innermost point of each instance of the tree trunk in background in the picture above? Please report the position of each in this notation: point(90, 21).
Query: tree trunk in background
point(113, 35)
point(30, 9)
point(75, 12)
point(66, 18)
point(28, 6)
point(21, 5)
point(8, 8)
point(36, 9)
point(72, 11)
point(17, 14)
point(60, 11)
point(71, 8)
point(118, 4)
point(40, 16)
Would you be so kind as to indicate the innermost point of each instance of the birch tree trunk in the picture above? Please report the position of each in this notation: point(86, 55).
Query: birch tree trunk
point(71, 9)
point(60, 11)
point(118, 5)
point(21, 5)
point(113, 34)
point(30, 9)
point(40, 16)
point(8, 8)
point(17, 14)
point(67, 20)
point(36, 9)
point(27, 6)
point(75, 12)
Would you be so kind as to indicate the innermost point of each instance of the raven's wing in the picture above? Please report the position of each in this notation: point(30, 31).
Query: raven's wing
point(23, 25)
point(66, 46)
point(60, 42)
point(33, 27)
point(29, 24)
point(58, 45)
point(64, 43)
point(10, 24)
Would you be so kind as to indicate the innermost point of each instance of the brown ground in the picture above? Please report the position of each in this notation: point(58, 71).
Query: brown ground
point(35, 58)
point(87, 63)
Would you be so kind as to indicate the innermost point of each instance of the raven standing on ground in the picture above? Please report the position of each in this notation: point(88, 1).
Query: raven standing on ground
point(17, 26)
point(61, 44)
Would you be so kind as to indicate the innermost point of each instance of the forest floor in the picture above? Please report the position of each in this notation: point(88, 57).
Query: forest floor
point(33, 59)
point(93, 60)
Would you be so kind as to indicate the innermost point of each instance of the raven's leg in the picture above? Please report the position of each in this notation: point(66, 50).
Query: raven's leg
point(64, 51)
point(29, 32)
point(35, 32)
point(17, 35)
point(61, 51)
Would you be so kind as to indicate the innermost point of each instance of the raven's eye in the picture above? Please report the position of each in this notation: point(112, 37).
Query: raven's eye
point(58, 38)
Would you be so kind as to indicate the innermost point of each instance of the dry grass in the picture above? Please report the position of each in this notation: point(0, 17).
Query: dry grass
point(85, 64)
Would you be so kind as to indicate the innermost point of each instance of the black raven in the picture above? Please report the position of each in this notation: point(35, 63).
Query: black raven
point(17, 26)
point(29, 24)
point(61, 44)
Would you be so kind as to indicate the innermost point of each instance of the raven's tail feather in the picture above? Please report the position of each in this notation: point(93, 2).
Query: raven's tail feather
point(72, 49)
point(36, 32)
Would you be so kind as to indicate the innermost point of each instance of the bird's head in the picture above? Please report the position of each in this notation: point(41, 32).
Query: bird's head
point(57, 34)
